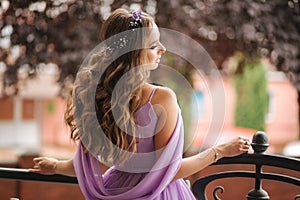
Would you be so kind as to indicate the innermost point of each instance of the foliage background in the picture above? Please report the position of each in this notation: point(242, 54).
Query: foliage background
point(252, 97)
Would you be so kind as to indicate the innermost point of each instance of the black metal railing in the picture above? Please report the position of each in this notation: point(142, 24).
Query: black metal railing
point(259, 159)
point(25, 175)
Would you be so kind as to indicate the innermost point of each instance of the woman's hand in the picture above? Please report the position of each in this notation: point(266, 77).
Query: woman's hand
point(234, 147)
point(44, 165)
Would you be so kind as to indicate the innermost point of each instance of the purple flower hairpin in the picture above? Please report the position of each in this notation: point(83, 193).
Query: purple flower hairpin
point(137, 20)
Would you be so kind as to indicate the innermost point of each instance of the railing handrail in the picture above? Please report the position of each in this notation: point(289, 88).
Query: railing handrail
point(263, 159)
point(25, 175)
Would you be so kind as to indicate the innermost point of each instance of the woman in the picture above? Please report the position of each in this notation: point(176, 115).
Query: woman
point(134, 150)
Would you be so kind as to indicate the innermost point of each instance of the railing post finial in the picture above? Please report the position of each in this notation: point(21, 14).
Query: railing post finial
point(260, 142)
point(259, 145)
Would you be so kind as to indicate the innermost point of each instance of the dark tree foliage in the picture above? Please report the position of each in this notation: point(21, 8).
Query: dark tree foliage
point(259, 28)
point(63, 32)
point(60, 32)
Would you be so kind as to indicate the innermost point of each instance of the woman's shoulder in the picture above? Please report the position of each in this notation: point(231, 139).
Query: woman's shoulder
point(166, 107)
point(164, 96)
point(162, 93)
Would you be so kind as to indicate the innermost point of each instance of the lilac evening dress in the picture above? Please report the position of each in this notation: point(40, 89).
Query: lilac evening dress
point(144, 175)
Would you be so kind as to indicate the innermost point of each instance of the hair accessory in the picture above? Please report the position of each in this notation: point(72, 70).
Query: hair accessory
point(107, 50)
point(118, 43)
point(137, 23)
point(121, 42)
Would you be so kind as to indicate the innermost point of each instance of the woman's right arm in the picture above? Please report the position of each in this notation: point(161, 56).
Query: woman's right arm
point(193, 164)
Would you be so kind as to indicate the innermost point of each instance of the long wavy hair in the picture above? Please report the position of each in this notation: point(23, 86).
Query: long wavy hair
point(118, 91)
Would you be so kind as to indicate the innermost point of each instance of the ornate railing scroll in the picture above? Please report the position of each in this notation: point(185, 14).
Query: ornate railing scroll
point(259, 159)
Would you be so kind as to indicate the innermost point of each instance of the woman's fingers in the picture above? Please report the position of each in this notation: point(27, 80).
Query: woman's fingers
point(34, 170)
point(242, 144)
point(244, 140)
point(245, 144)
point(38, 160)
point(235, 147)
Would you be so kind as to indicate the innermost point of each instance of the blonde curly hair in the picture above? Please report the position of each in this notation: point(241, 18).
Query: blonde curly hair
point(114, 108)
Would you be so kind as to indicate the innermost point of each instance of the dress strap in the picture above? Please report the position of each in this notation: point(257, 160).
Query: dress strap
point(151, 95)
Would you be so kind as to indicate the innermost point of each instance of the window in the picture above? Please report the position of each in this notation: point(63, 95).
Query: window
point(28, 109)
point(7, 108)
